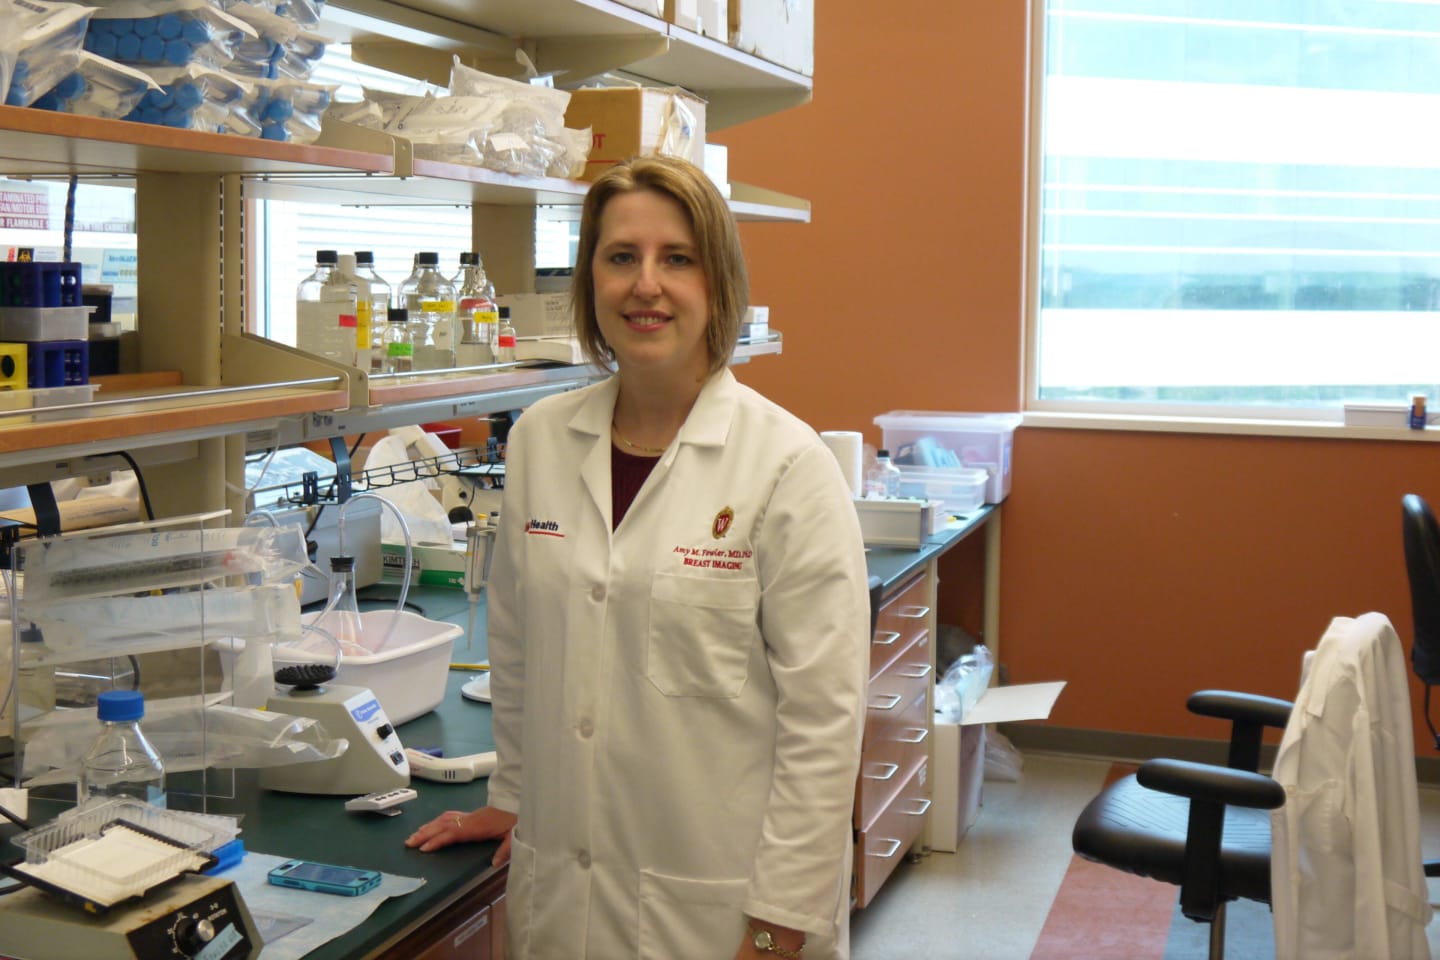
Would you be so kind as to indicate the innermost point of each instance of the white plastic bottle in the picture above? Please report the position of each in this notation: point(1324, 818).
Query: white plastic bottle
point(325, 306)
point(122, 762)
point(430, 298)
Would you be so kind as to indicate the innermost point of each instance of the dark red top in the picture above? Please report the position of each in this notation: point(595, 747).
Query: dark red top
point(627, 476)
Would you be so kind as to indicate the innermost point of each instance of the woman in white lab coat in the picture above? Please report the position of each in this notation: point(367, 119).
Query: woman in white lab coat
point(678, 624)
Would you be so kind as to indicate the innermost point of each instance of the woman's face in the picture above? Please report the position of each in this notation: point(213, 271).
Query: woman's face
point(651, 297)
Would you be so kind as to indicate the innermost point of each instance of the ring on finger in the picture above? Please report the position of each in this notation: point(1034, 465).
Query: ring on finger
point(458, 824)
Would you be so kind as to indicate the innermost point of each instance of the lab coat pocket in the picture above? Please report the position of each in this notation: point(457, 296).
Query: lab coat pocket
point(701, 633)
point(684, 917)
point(519, 896)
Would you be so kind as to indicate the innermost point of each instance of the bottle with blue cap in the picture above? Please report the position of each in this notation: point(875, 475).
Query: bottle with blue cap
point(122, 762)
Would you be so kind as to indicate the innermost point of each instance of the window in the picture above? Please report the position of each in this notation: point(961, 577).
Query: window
point(102, 240)
point(1239, 206)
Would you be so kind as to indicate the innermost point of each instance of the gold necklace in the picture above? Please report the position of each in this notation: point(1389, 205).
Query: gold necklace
point(648, 451)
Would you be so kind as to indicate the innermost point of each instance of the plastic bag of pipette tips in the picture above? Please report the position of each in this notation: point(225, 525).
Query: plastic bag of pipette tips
point(50, 36)
point(224, 737)
point(115, 626)
point(71, 568)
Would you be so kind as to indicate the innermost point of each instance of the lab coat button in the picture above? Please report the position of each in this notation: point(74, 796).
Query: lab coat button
point(586, 728)
point(584, 859)
point(597, 593)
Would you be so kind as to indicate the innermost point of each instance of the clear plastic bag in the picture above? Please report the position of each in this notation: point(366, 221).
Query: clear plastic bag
point(195, 97)
point(49, 44)
point(281, 47)
point(98, 88)
point(288, 110)
point(165, 33)
point(224, 737)
point(73, 568)
point(963, 684)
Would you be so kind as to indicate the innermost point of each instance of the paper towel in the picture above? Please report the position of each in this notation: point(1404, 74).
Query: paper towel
point(848, 446)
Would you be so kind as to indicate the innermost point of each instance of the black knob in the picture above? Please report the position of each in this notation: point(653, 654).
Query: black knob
point(192, 934)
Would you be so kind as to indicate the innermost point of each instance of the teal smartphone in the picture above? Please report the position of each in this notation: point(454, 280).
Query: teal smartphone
point(324, 878)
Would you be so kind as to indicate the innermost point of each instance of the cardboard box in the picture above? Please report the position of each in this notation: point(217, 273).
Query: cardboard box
point(781, 31)
point(709, 18)
point(436, 565)
point(629, 122)
point(959, 756)
point(539, 314)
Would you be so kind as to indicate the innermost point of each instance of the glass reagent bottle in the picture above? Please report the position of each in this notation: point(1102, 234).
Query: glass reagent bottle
point(122, 762)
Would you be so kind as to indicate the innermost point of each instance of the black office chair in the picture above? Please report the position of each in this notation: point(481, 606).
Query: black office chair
point(1203, 828)
point(1422, 565)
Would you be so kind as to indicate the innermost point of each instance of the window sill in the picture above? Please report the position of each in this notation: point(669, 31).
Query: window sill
point(1322, 429)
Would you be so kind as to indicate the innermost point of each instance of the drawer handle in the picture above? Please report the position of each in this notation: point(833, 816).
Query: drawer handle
point(890, 637)
point(894, 849)
point(922, 668)
point(890, 770)
point(918, 735)
point(924, 805)
point(913, 613)
point(892, 698)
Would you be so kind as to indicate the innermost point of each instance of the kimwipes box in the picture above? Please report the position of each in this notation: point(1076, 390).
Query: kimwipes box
point(630, 122)
point(960, 756)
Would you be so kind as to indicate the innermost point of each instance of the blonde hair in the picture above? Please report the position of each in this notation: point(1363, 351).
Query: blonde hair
point(717, 245)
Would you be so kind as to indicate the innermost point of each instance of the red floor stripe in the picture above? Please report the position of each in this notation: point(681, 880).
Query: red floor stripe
point(1102, 912)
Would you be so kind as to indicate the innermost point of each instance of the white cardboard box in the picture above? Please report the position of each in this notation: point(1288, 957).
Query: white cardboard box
point(959, 767)
point(781, 31)
point(539, 314)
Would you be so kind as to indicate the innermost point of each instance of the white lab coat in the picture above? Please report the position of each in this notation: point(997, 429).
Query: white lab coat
point(679, 704)
point(1346, 875)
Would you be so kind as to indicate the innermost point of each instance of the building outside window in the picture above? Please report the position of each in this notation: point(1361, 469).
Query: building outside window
point(1238, 206)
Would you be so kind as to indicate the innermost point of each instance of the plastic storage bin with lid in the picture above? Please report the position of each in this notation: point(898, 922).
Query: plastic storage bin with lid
point(937, 439)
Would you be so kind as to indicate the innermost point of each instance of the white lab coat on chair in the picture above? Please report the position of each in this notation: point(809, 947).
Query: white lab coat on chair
point(1346, 874)
point(679, 703)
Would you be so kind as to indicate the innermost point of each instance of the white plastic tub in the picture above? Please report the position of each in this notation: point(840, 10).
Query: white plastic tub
point(933, 438)
point(407, 676)
point(960, 490)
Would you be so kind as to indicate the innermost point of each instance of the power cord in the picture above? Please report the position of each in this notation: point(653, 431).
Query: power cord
point(140, 479)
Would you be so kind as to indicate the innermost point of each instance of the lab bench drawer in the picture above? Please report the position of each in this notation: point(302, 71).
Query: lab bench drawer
point(880, 847)
point(897, 726)
point(901, 620)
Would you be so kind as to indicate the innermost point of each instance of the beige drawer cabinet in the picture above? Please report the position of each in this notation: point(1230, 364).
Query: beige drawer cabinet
point(892, 791)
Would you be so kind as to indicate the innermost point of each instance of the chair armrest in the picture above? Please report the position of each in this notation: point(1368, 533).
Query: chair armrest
point(1206, 782)
point(1229, 705)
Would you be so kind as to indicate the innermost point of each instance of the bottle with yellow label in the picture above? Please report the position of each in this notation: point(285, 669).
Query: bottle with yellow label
point(430, 298)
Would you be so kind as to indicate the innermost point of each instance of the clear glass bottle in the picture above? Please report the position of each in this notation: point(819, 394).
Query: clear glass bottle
point(883, 480)
point(121, 762)
point(399, 350)
point(476, 313)
point(340, 620)
point(505, 338)
point(430, 298)
point(379, 296)
point(325, 305)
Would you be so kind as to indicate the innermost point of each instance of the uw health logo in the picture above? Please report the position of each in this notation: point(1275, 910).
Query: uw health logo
point(543, 528)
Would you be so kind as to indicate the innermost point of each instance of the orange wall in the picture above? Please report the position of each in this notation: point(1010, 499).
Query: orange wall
point(1137, 566)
